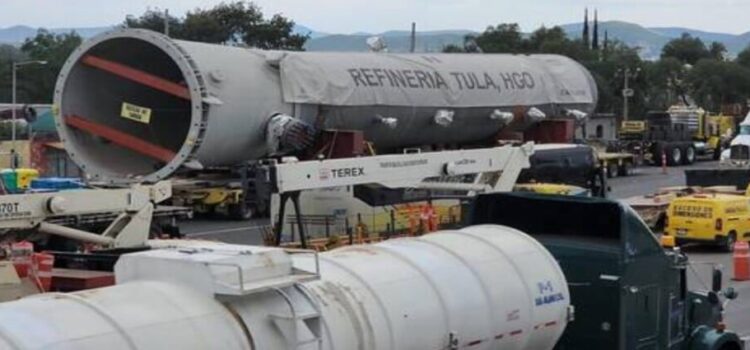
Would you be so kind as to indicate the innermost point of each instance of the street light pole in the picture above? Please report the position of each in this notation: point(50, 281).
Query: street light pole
point(627, 92)
point(13, 162)
point(16, 65)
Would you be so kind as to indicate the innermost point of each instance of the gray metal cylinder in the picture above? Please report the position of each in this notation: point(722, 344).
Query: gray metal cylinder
point(136, 105)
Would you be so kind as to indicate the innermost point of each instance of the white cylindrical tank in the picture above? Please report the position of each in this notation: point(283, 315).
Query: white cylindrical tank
point(487, 287)
point(483, 287)
point(135, 104)
point(138, 315)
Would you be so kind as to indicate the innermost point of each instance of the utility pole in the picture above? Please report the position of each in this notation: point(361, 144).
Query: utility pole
point(166, 22)
point(13, 118)
point(413, 37)
point(627, 92)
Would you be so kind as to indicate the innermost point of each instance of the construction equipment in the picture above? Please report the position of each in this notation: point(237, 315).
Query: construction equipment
point(516, 291)
point(682, 133)
point(231, 192)
point(191, 105)
point(400, 178)
point(131, 209)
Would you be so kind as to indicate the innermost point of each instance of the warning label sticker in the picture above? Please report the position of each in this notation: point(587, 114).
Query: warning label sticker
point(136, 113)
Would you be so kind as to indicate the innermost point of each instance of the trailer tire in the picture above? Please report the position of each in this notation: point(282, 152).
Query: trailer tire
point(156, 231)
point(237, 212)
point(625, 169)
point(689, 155)
point(717, 152)
point(674, 155)
point(727, 244)
point(611, 170)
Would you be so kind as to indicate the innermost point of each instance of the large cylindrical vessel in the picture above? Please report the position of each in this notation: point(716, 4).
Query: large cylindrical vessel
point(483, 287)
point(137, 315)
point(135, 104)
point(486, 287)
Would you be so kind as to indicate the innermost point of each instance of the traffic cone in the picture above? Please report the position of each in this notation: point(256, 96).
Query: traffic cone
point(741, 261)
point(44, 263)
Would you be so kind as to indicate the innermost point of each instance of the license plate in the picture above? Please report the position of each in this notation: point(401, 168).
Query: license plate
point(681, 232)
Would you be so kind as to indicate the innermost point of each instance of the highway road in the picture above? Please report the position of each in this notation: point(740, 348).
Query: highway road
point(645, 180)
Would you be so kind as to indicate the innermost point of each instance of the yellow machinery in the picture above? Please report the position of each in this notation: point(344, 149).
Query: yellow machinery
point(19, 179)
point(208, 200)
point(632, 127)
point(679, 134)
point(720, 128)
point(550, 188)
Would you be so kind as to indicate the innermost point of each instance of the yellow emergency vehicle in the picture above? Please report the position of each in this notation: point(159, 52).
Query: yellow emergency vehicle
point(709, 218)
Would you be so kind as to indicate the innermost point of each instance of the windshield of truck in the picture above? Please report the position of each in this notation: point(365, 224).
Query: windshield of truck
point(744, 129)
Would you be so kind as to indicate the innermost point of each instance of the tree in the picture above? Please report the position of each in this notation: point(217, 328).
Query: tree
point(717, 51)
point(276, 33)
point(203, 26)
point(548, 40)
point(687, 49)
point(8, 54)
point(38, 83)
point(608, 73)
point(504, 38)
point(713, 83)
point(234, 23)
point(153, 19)
point(666, 83)
point(453, 48)
point(743, 58)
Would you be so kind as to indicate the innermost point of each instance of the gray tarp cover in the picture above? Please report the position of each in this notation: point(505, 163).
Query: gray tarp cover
point(434, 80)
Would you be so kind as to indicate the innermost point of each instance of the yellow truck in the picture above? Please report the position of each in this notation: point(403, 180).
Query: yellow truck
point(709, 218)
point(681, 134)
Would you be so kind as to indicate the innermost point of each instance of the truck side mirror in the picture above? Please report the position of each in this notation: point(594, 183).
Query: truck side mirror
point(716, 281)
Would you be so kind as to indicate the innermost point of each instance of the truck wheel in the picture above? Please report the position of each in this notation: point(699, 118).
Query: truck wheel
point(156, 231)
point(236, 212)
point(727, 243)
point(611, 170)
point(689, 157)
point(625, 169)
point(717, 152)
point(656, 151)
point(674, 156)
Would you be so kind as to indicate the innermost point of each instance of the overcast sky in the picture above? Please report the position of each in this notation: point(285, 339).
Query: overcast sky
point(347, 16)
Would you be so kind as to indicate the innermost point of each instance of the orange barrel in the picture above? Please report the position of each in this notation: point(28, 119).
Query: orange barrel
point(741, 261)
point(44, 263)
point(20, 255)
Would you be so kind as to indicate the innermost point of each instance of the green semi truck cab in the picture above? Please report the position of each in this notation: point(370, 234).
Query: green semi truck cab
point(628, 292)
